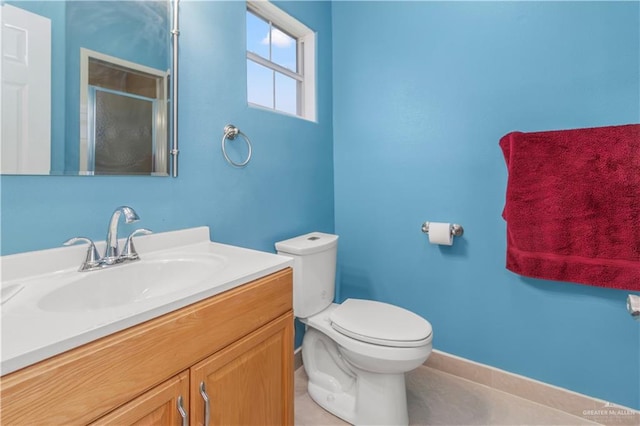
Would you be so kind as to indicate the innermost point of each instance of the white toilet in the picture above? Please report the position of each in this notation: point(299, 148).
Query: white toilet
point(355, 353)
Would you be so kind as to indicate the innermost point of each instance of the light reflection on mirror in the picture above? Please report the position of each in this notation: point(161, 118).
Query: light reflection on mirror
point(68, 137)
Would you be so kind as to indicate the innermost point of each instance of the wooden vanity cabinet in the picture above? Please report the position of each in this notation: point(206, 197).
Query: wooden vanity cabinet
point(238, 344)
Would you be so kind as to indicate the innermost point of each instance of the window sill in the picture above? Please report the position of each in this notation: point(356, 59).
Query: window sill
point(286, 114)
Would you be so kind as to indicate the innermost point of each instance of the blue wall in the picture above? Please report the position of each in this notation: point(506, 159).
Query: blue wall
point(287, 188)
point(422, 93)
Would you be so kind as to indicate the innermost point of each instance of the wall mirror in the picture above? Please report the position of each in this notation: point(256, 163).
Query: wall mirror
point(88, 87)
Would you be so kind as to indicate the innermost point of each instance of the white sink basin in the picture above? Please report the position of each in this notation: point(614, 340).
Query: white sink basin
point(49, 307)
point(131, 283)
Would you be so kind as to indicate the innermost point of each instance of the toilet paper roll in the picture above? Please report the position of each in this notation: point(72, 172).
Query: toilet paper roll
point(440, 233)
point(633, 306)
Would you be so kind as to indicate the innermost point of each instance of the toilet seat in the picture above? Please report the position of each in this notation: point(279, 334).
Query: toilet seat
point(380, 324)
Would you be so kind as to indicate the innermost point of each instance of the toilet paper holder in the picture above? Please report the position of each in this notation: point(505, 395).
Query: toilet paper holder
point(633, 306)
point(456, 230)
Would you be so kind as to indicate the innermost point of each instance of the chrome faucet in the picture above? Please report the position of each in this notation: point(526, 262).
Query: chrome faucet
point(112, 253)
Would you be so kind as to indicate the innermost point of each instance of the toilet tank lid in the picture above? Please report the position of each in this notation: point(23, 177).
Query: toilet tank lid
point(313, 242)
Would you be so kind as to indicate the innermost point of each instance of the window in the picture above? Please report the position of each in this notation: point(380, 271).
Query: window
point(280, 61)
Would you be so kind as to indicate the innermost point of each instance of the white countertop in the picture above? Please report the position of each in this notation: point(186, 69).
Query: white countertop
point(31, 334)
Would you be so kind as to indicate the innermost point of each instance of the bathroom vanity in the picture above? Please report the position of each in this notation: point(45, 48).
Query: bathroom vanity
point(218, 355)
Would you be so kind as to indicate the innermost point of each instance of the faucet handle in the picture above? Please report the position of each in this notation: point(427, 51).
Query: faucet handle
point(92, 259)
point(129, 251)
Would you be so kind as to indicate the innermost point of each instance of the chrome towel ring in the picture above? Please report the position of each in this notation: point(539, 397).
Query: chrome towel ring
point(230, 132)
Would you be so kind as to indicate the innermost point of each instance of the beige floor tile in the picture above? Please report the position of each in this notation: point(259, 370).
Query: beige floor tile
point(438, 398)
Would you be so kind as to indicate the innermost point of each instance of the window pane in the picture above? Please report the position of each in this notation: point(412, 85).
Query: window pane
point(257, 35)
point(259, 84)
point(283, 49)
point(286, 96)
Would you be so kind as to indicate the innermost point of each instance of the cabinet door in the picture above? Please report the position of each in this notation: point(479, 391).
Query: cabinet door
point(158, 406)
point(248, 383)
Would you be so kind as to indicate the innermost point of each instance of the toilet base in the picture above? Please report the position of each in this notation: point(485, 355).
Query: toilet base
point(381, 403)
point(340, 404)
point(357, 396)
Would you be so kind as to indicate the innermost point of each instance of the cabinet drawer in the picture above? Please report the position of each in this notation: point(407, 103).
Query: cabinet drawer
point(82, 384)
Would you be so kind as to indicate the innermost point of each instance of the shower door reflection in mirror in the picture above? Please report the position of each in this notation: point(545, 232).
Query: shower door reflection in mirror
point(123, 107)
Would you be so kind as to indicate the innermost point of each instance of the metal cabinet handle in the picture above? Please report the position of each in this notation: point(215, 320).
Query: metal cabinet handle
point(183, 413)
point(205, 397)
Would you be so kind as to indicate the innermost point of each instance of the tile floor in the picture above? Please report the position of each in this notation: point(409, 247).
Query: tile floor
point(438, 398)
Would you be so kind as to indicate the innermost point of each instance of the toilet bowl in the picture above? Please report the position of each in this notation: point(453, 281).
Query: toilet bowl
point(355, 353)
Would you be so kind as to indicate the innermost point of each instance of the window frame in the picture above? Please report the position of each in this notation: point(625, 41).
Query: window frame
point(305, 75)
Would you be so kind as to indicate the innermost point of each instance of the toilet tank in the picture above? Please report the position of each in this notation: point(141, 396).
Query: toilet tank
point(314, 271)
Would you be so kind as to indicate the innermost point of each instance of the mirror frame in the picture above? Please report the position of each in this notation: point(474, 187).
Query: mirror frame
point(175, 33)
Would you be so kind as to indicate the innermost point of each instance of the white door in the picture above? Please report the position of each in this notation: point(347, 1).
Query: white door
point(25, 98)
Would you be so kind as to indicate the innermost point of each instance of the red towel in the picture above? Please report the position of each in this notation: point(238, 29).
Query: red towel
point(573, 205)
